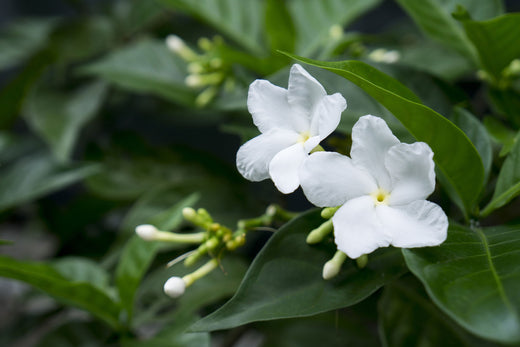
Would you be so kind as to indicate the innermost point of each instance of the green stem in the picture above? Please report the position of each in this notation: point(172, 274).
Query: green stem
point(200, 272)
point(167, 236)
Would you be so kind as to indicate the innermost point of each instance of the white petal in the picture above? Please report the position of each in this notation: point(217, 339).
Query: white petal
point(254, 156)
point(357, 229)
point(418, 224)
point(269, 106)
point(371, 140)
point(285, 166)
point(412, 171)
point(327, 115)
point(330, 179)
point(304, 92)
point(311, 143)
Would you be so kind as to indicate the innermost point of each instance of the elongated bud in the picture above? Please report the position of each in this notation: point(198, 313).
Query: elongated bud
point(318, 234)
point(328, 212)
point(362, 261)
point(174, 287)
point(189, 214)
point(177, 46)
point(206, 96)
point(146, 232)
point(200, 272)
point(332, 267)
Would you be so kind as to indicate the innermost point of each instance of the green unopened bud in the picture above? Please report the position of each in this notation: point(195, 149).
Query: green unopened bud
point(328, 212)
point(362, 261)
point(177, 46)
point(216, 63)
point(205, 44)
point(206, 96)
point(318, 234)
point(189, 214)
point(236, 242)
point(200, 272)
point(204, 215)
point(212, 243)
point(333, 266)
point(195, 68)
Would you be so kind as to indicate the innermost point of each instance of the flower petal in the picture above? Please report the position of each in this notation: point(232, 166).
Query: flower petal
point(285, 166)
point(357, 228)
point(254, 156)
point(418, 224)
point(311, 143)
point(327, 115)
point(371, 140)
point(269, 107)
point(330, 179)
point(304, 92)
point(412, 171)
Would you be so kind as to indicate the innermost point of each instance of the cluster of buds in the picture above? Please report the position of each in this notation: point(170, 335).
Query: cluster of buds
point(214, 241)
point(207, 70)
point(333, 266)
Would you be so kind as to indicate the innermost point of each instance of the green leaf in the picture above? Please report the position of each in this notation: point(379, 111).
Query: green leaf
point(239, 20)
point(508, 182)
point(71, 292)
point(145, 66)
point(422, 122)
point(279, 26)
point(407, 317)
point(496, 41)
point(438, 23)
point(285, 280)
point(138, 254)
point(474, 278)
point(22, 38)
point(478, 135)
point(501, 134)
point(78, 269)
point(59, 118)
point(36, 175)
point(313, 20)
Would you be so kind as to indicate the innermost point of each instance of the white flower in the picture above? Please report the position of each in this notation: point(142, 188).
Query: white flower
point(292, 121)
point(382, 190)
point(174, 287)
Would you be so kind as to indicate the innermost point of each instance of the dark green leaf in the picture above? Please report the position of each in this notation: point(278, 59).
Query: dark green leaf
point(145, 66)
point(239, 20)
point(478, 135)
point(501, 134)
point(474, 277)
point(437, 22)
point(76, 333)
point(279, 26)
point(496, 41)
point(285, 280)
point(313, 20)
point(76, 269)
point(77, 293)
point(138, 254)
point(36, 175)
point(455, 155)
point(508, 182)
point(58, 118)
point(407, 317)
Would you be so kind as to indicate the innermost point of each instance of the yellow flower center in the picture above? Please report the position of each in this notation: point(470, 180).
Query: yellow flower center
point(304, 137)
point(380, 197)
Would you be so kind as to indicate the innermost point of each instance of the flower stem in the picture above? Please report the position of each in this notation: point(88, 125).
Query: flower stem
point(180, 238)
point(200, 272)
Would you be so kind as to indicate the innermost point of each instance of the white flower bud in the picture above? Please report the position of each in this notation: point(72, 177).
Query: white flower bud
point(174, 287)
point(175, 43)
point(330, 269)
point(146, 232)
point(194, 81)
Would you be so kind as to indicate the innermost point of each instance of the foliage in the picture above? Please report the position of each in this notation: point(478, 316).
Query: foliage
point(108, 122)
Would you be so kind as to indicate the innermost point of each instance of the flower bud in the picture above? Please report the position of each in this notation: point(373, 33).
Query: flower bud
point(332, 267)
point(318, 234)
point(174, 287)
point(146, 232)
point(189, 213)
point(328, 212)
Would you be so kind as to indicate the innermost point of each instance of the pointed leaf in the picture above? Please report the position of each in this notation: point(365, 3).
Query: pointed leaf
point(474, 277)
point(455, 155)
point(71, 292)
point(285, 280)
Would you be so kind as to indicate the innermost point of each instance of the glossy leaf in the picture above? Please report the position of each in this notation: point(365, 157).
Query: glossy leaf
point(146, 66)
point(422, 122)
point(239, 20)
point(138, 254)
point(496, 41)
point(36, 175)
point(438, 23)
point(407, 317)
point(285, 280)
point(78, 269)
point(474, 277)
point(478, 135)
point(76, 293)
point(59, 118)
point(508, 182)
point(313, 20)
point(501, 134)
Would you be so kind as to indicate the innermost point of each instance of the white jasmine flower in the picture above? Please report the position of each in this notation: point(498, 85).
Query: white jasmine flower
point(174, 287)
point(382, 190)
point(292, 121)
